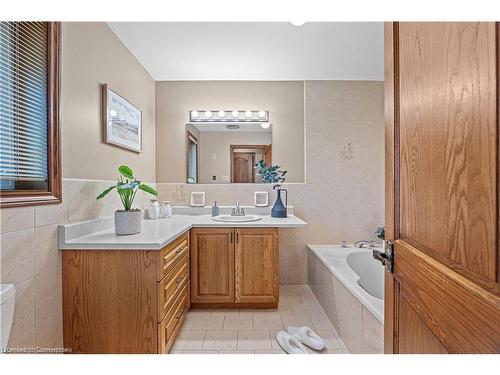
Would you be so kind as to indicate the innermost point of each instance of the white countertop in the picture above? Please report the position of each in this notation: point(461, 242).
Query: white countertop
point(156, 233)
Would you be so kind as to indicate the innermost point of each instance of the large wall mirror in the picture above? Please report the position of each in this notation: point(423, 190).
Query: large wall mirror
point(226, 152)
point(213, 132)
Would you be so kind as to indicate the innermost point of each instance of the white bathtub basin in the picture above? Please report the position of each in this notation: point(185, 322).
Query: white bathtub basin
point(371, 274)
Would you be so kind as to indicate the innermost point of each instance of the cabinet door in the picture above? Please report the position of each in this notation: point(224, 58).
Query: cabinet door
point(257, 265)
point(212, 265)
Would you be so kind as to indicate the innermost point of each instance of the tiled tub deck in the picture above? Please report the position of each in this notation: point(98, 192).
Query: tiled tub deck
point(357, 327)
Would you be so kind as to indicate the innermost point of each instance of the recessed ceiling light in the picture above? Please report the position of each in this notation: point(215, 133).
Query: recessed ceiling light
point(208, 114)
point(265, 125)
point(262, 114)
point(222, 114)
point(194, 113)
point(248, 114)
point(235, 113)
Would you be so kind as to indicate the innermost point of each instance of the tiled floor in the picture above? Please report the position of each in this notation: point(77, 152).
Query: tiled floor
point(254, 331)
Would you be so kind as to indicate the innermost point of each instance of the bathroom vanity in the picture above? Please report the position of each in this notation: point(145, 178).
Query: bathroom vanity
point(129, 294)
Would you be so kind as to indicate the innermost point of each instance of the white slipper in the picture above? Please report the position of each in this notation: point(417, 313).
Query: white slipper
point(290, 344)
point(307, 336)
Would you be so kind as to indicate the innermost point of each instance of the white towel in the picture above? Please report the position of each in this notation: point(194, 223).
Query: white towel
point(290, 344)
point(307, 336)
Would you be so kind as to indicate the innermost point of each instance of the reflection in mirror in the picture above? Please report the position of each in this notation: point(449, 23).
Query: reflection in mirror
point(227, 152)
point(192, 158)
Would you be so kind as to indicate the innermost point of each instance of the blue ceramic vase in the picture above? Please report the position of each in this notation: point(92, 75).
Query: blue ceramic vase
point(279, 209)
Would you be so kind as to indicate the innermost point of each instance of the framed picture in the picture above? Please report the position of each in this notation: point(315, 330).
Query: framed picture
point(121, 121)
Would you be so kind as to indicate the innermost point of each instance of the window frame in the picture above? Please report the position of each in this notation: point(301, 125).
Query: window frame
point(53, 195)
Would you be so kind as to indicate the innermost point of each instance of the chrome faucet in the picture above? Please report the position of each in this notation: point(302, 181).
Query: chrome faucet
point(364, 242)
point(237, 210)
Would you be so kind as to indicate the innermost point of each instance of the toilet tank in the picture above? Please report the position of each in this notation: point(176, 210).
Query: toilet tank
point(7, 303)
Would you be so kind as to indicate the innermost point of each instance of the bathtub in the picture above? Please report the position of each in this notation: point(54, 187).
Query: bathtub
point(349, 284)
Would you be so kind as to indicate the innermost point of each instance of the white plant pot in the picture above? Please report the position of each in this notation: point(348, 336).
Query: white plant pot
point(128, 222)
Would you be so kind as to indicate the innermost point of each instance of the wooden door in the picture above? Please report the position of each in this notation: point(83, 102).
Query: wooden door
point(212, 265)
point(243, 167)
point(442, 191)
point(267, 155)
point(257, 265)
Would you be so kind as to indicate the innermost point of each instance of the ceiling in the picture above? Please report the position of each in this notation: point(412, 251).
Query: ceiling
point(174, 51)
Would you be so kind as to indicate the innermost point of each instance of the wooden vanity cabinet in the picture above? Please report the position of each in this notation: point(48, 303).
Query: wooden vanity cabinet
point(212, 265)
point(235, 267)
point(125, 301)
point(256, 265)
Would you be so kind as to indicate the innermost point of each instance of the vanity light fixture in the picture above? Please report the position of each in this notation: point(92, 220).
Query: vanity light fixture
point(233, 116)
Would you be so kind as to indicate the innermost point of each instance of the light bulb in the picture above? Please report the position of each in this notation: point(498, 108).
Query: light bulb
point(265, 125)
point(194, 113)
point(222, 114)
point(208, 114)
point(248, 114)
point(262, 114)
point(112, 113)
point(297, 22)
point(235, 113)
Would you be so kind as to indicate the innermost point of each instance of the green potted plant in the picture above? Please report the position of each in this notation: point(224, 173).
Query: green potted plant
point(128, 220)
point(276, 176)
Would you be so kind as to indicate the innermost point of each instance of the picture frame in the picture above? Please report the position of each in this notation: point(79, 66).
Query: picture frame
point(121, 121)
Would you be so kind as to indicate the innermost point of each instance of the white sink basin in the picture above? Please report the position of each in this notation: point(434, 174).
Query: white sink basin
point(236, 219)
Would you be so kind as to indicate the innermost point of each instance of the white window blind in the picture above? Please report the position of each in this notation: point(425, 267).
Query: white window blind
point(23, 102)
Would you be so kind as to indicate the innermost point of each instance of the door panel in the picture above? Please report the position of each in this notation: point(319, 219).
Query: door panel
point(447, 144)
point(417, 337)
point(212, 265)
point(257, 265)
point(442, 191)
point(243, 167)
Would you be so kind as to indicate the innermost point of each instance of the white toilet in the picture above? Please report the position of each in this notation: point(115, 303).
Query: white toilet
point(7, 303)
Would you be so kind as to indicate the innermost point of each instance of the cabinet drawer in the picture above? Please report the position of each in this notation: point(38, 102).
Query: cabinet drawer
point(171, 254)
point(171, 285)
point(170, 325)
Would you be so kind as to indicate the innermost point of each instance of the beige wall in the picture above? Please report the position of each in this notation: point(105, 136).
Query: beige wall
point(343, 198)
point(218, 144)
point(284, 100)
point(92, 54)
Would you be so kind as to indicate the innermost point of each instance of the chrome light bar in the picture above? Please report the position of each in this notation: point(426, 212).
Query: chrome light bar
point(228, 116)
